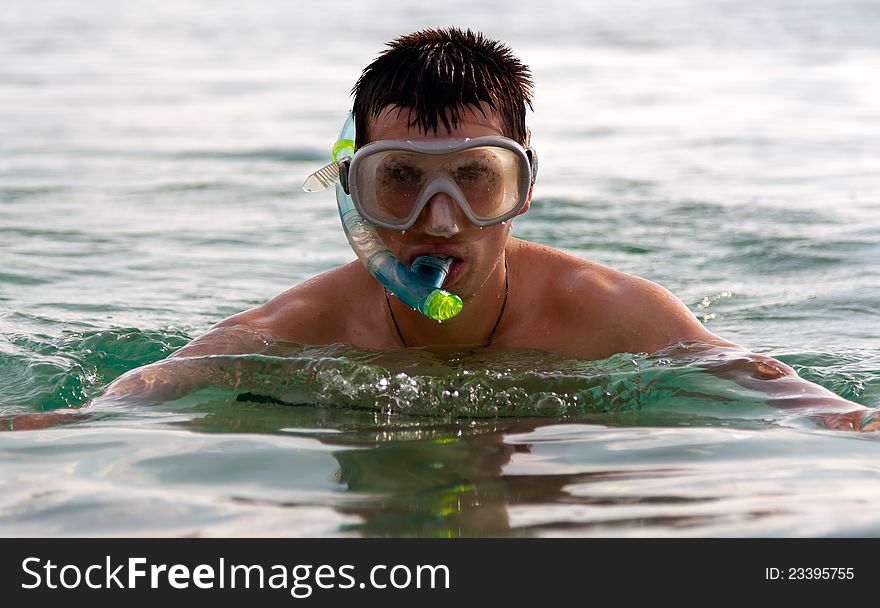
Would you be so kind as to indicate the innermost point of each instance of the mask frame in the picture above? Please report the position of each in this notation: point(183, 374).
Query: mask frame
point(348, 167)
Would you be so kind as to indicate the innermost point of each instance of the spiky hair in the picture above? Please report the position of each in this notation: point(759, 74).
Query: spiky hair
point(433, 73)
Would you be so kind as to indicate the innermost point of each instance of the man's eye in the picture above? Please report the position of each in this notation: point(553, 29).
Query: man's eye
point(401, 174)
point(471, 173)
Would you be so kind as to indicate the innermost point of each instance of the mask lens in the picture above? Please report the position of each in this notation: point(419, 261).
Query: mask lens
point(390, 183)
point(488, 177)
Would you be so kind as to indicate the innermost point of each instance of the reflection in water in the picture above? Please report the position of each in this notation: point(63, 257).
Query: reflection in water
point(224, 467)
point(445, 486)
point(414, 477)
point(457, 486)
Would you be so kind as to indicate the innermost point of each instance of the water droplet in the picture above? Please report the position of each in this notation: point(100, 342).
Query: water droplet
point(480, 227)
point(403, 232)
point(504, 223)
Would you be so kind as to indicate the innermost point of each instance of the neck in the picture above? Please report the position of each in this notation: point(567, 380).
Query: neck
point(473, 326)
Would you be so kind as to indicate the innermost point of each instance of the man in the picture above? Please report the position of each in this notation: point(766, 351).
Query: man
point(424, 100)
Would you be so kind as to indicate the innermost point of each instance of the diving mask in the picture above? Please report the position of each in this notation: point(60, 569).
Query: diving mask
point(390, 181)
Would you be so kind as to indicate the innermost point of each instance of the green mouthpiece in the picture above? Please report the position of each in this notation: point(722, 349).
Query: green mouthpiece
point(441, 305)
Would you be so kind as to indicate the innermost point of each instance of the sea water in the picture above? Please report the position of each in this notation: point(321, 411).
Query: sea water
point(151, 162)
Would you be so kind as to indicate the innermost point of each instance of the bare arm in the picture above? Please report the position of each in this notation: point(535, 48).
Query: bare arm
point(681, 335)
point(185, 371)
point(298, 315)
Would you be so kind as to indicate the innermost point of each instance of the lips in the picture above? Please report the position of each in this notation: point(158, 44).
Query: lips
point(455, 269)
point(457, 252)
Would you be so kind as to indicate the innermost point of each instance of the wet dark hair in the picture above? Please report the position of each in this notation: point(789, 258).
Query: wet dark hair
point(435, 72)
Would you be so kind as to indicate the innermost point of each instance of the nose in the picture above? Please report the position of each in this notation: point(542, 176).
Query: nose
point(441, 217)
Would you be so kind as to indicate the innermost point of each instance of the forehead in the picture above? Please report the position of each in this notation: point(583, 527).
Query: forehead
point(393, 123)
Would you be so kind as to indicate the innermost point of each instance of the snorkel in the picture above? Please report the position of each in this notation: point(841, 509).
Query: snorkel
point(419, 287)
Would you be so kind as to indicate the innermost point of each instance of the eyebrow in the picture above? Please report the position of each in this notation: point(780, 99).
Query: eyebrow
point(396, 164)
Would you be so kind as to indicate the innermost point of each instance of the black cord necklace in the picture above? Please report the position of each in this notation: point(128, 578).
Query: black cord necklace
point(494, 327)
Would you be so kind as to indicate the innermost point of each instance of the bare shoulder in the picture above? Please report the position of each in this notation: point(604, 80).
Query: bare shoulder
point(650, 315)
point(602, 311)
point(316, 311)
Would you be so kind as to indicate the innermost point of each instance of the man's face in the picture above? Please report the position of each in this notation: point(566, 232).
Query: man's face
point(442, 227)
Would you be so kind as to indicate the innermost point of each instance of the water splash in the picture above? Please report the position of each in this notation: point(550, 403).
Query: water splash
point(41, 373)
point(475, 383)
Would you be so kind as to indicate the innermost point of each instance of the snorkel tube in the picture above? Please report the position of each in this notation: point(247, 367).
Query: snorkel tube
point(418, 287)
